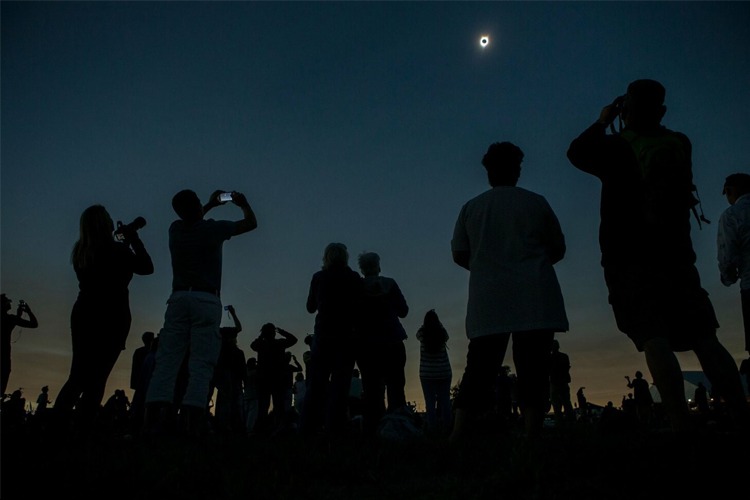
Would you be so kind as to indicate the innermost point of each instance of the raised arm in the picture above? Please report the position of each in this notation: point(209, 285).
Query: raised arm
point(26, 323)
point(290, 339)
point(249, 222)
point(237, 324)
point(402, 308)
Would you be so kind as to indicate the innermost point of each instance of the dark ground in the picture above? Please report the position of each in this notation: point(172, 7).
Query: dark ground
point(582, 462)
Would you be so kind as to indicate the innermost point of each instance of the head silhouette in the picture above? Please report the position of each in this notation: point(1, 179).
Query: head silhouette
point(188, 206)
point(95, 230)
point(503, 164)
point(735, 186)
point(147, 338)
point(369, 263)
point(644, 104)
point(555, 346)
point(638, 375)
point(335, 256)
point(252, 363)
point(268, 331)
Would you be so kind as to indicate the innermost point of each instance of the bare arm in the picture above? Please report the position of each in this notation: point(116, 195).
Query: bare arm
point(26, 323)
point(249, 222)
point(236, 320)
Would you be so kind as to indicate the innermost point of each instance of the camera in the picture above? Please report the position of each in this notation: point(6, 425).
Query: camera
point(22, 305)
point(138, 223)
point(225, 197)
point(226, 308)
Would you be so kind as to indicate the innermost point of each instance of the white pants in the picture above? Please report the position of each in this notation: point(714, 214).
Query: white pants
point(192, 320)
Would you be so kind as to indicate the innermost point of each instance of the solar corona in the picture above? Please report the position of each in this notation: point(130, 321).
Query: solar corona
point(484, 41)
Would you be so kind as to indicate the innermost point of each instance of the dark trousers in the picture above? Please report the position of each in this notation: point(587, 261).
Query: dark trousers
point(92, 363)
point(531, 355)
point(330, 375)
point(5, 368)
point(745, 295)
point(271, 386)
point(382, 366)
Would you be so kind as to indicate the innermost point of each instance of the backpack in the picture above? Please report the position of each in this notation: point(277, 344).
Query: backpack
point(666, 173)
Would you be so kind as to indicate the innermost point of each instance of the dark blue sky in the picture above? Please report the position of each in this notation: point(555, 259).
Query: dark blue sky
point(363, 123)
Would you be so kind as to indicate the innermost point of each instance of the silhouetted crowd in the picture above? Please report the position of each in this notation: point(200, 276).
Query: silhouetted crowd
point(508, 238)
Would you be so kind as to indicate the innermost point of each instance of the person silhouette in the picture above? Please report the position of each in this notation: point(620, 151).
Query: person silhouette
point(583, 405)
point(226, 380)
point(381, 354)
point(42, 401)
point(559, 380)
point(273, 374)
point(435, 371)
point(139, 356)
point(7, 324)
point(250, 395)
point(643, 401)
point(508, 238)
point(734, 242)
point(647, 253)
point(701, 398)
point(336, 294)
point(194, 308)
point(100, 320)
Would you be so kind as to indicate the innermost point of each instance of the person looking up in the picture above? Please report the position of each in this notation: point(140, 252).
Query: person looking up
point(100, 320)
point(7, 324)
point(647, 253)
point(194, 308)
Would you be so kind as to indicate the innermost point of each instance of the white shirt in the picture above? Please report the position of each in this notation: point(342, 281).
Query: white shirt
point(734, 243)
point(511, 233)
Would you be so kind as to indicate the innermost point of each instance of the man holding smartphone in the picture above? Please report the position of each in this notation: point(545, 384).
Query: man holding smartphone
point(194, 309)
point(9, 322)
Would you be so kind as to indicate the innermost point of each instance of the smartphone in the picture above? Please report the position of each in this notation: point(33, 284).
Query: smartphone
point(120, 236)
point(224, 197)
point(226, 308)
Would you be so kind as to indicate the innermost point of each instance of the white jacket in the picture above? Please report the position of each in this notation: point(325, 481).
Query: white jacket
point(734, 243)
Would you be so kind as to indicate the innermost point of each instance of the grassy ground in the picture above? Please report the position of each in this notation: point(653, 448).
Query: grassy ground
point(579, 462)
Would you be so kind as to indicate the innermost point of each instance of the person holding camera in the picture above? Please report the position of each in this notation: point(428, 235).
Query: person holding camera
point(100, 320)
point(194, 308)
point(647, 253)
point(9, 322)
point(273, 375)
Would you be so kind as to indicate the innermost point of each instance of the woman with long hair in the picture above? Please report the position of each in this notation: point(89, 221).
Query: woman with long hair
point(435, 369)
point(335, 294)
point(100, 320)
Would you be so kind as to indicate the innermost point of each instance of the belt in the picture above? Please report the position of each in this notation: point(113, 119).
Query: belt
point(212, 291)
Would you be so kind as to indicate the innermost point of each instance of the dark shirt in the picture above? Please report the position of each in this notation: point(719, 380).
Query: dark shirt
point(196, 251)
point(104, 282)
point(382, 306)
point(627, 235)
point(271, 357)
point(336, 295)
point(560, 368)
point(139, 356)
point(641, 394)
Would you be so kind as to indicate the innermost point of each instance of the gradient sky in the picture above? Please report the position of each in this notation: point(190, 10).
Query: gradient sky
point(363, 123)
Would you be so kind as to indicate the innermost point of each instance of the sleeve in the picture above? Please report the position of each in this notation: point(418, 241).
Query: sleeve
point(728, 244)
point(460, 241)
point(223, 230)
point(588, 151)
point(554, 239)
point(402, 308)
point(420, 334)
point(139, 261)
